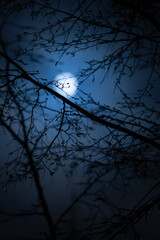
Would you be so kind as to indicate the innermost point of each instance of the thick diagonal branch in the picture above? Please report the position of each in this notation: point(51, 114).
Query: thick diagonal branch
point(89, 115)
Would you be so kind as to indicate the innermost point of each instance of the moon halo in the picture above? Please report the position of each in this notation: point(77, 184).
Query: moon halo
point(66, 84)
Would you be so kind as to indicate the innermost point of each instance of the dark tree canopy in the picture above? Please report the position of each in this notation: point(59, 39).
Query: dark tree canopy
point(104, 140)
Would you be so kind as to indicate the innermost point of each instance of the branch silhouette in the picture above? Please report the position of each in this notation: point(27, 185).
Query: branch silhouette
point(87, 155)
point(80, 109)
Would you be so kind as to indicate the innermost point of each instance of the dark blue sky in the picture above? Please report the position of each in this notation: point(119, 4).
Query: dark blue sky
point(62, 187)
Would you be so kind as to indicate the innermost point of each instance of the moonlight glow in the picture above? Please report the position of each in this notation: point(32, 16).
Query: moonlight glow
point(66, 84)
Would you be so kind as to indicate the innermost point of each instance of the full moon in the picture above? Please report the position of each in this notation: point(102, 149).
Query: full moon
point(66, 84)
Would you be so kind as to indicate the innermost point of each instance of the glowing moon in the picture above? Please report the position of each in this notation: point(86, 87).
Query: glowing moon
point(66, 84)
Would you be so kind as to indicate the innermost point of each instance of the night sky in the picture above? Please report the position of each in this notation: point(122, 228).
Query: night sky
point(112, 50)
